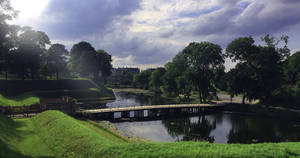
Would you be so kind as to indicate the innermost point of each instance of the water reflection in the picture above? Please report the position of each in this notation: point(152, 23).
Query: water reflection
point(255, 130)
point(217, 128)
point(124, 99)
point(192, 129)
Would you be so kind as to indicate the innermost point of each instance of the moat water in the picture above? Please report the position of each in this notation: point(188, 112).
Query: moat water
point(220, 127)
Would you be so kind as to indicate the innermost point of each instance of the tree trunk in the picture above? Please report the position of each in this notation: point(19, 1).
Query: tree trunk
point(244, 97)
point(6, 75)
point(179, 99)
point(96, 76)
point(200, 97)
point(23, 73)
point(56, 75)
point(32, 75)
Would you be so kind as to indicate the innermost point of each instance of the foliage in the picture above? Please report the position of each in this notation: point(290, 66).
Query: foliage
point(104, 61)
point(198, 63)
point(26, 56)
point(23, 52)
point(260, 67)
point(156, 79)
point(184, 86)
point(56, 59)
point(237, 78)
point(6, 33)
point(291, 69)
point(174, 69)
point(86, 61)
point(141, 80)
point(241, 49)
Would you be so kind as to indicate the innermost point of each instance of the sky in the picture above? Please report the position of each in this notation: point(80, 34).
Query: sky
point(149, 33)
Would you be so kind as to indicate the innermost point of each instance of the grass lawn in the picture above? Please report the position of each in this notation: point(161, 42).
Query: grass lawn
point(53, 133)
point(22, 100)
point(18, 138)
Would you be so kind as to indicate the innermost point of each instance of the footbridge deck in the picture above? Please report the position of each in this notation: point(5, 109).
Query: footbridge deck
point(156, 109)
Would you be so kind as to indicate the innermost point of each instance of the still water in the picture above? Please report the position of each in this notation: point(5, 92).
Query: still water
point(218, 128)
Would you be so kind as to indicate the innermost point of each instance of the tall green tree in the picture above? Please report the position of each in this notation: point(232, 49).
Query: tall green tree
point(141, 80)
point(86, 61)
point(26, 56)
point(6, 34)
point(291, 69)
point(57, 59)
point(259, 66)
point(104, 63)
point(156, 79)
point(184, 87)
point(202, 60)
point(82, 58)
point(240, 82)
point(174, 69)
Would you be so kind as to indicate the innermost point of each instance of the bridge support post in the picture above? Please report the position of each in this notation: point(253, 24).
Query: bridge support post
point(139, 114)
point(152, 113)
point(125, 114)
point(108, 115)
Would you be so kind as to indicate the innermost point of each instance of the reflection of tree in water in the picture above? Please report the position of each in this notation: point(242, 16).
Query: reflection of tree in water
point(150, 100)
point(192, 131)
point(256, 130)
point(142, 99)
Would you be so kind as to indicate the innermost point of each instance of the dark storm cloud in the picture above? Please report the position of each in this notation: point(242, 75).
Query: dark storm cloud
point(67, 19)
point(145, 50)
point(254, 18)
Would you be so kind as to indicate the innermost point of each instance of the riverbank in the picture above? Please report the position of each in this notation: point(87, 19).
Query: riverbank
point(54, 134)
point(263, 110)
point(193, 99)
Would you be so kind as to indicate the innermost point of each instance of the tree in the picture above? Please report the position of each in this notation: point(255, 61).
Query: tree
point(202, 60)
point(258, 66)
point(104, 63)
point(240, 81)
point(56, 59)
point(6, 30)
point(184, 86)
point(291, 69)
point(156, 79)
point(141, 80)
point(26, 56)
point(82, 59)
point(86, 61)
point(220, 79)
point(241, 49)
point(174, 69)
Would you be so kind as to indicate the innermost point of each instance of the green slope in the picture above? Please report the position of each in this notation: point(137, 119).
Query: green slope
point(23, 100)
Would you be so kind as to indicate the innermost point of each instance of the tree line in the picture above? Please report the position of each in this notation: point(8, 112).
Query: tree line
point(28, 53)
point(267, 73)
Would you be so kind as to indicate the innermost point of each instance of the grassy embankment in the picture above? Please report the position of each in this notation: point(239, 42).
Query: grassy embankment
point(55, 134)
point(23, 100)
point(29, 92)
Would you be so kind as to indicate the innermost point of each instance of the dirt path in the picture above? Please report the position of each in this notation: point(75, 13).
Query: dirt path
point(236, 99)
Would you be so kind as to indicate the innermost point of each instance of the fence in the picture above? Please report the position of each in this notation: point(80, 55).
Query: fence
point(29, 111)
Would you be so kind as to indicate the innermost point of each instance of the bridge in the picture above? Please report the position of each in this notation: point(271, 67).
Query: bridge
point(150, 111)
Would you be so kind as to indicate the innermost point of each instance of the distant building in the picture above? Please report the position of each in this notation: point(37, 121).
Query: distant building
point(122, 75)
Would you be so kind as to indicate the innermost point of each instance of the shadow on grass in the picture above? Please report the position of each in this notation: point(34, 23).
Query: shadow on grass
point(10, 153)
point(9, 135)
